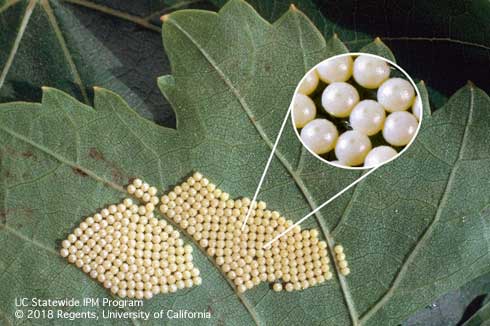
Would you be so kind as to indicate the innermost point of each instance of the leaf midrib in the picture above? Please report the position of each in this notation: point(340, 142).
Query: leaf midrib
point(296, 177)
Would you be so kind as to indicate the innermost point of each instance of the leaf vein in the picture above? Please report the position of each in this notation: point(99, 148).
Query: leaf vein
point(62, 159)
point(29, 240)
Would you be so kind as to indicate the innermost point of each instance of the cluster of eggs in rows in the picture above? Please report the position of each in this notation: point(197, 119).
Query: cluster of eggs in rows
point(296, 261)
point(387, 114)
point(129, 251)
point(341, 260)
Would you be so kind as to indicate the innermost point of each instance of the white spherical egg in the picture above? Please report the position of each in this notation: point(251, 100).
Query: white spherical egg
point(335, 70)
point(417, 108)
point(319, 136)
point(304, 110)
point(396, 94)
point(352, 147)
point(338, 99)
point(399, 128)
point(309, 83)
point(379, 155)
point(367, 117)
point(370, 72)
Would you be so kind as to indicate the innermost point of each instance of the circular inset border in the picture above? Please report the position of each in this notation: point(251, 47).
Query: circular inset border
point(358, 167)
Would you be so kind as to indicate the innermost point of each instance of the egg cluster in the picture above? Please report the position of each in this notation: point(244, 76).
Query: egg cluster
point(355, 116)
point(341, 261)
point(296, 261)
point(128, 250)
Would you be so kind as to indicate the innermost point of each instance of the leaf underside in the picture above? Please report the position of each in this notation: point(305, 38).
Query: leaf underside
point(412, 230)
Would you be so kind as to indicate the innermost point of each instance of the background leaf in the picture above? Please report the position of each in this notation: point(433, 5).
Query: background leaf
point(226, 122)
point(115, 44)
point(74, 45)
point(445, 43)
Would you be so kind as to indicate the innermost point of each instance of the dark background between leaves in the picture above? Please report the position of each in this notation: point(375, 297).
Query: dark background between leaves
point(74, 45)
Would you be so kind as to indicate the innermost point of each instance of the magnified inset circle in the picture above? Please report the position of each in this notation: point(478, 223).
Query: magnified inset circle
point(356, 111)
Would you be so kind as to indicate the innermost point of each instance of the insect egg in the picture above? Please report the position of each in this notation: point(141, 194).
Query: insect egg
point(370, 72)
point(400, 128)
point(358, 113)
point(240, 253)
point(339, 98)
point(319, 136)
point(309, 83)
point(103, 246)
point(396, 94)
point(352, 147)
point(335, 70)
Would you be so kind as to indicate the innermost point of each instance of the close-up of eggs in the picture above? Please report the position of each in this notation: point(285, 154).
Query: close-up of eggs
point(356, 110)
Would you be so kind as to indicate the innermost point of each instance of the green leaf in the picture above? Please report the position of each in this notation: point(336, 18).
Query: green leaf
point(76, 44)
point(379, 48)
point(413, 230)
point(446, 35)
